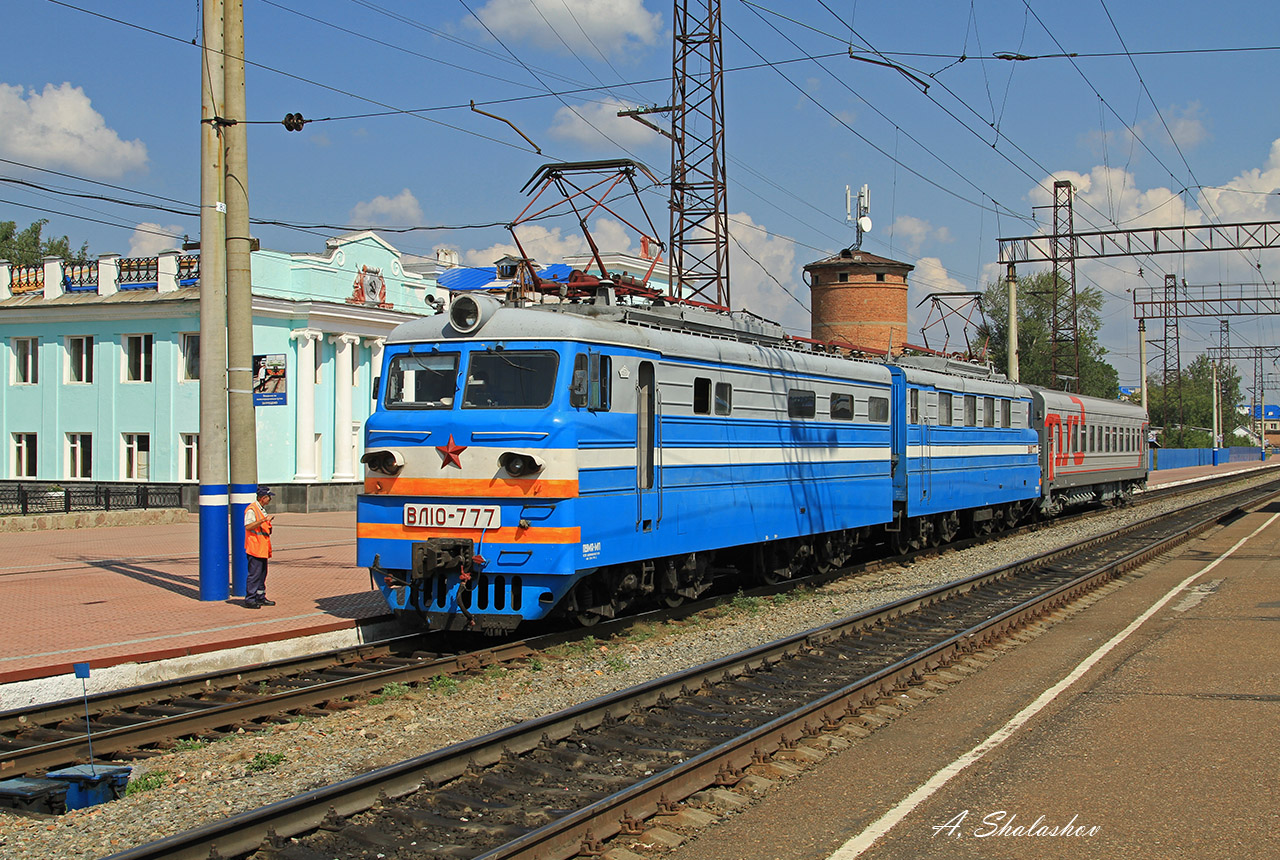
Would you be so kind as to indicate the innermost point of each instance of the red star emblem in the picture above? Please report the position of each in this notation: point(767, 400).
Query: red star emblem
point(449, 453)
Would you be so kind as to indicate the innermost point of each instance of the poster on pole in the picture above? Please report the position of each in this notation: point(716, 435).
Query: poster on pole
point(269, 380)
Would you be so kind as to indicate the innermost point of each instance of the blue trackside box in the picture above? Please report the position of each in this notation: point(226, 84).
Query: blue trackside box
point(32, 794)
point(91, 784)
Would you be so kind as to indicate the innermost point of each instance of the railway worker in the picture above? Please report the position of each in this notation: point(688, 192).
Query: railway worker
point(257, 546)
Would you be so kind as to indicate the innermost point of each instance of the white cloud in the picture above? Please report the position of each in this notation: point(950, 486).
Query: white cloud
point(585, 25)
point(750, 288)
point(59, 128)
point(149, 239)
point(911, 233)
point(589, 123)
point(401, 210)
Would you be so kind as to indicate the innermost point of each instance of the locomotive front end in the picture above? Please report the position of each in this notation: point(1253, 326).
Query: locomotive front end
point(467, 517)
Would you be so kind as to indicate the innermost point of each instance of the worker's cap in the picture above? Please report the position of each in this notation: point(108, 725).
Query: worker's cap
point(264, 490)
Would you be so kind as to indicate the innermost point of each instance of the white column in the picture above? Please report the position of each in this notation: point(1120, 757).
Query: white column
point(167, 272)
point(6, 277)
point(375, 345)
point(52, 277)
point(305, 386)
point(343, 462)
point(108, 274)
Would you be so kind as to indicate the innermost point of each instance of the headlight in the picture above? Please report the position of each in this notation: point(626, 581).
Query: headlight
point(520, 465)
point(385, 461)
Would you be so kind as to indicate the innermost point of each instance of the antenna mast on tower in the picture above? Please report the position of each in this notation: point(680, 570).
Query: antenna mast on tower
point(699, 213)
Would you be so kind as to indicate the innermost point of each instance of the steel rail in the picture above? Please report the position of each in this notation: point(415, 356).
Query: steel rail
point(245, 832)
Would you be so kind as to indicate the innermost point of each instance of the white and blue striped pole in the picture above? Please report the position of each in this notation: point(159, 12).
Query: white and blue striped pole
point(213, 542)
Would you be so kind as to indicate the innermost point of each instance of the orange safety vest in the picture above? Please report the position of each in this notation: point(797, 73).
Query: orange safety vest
point(257, 539)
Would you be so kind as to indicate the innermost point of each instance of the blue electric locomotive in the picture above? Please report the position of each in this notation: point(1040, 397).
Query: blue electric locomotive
point(577, 457)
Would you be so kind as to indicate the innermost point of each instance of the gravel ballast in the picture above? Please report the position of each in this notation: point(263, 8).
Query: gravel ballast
point(249, 770)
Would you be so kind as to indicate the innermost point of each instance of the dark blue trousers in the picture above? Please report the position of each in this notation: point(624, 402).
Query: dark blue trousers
point(256, 585)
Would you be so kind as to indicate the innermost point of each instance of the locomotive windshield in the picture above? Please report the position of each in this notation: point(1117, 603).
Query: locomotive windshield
point(505, 379)
point(426, 381)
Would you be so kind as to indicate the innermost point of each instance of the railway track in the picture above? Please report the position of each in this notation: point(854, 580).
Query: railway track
point(142, 721)
point(556, 786)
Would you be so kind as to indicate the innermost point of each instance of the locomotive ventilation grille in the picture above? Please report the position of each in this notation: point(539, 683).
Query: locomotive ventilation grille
point(487, 592)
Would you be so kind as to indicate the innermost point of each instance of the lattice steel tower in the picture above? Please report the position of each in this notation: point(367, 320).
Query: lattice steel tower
point(1064, 337)
point(699, 212)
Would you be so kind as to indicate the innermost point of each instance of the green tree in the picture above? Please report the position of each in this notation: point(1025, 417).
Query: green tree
point(1035, 305)
point(28, 248)
point(1189, 424)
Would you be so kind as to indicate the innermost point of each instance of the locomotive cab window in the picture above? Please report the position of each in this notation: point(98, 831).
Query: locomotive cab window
point(878, 409)
point(801, 403)
point(1006, 413)
point(970, 410)
point(590, 387)
point(988, 412)
point(506, 379)
point(422, 380)
point(841, 407)
point(701, 396)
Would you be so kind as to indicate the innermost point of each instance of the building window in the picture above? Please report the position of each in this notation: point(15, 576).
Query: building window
point(190, 456)
point(701, 396)
point(24, 455)
point(137, 357)
point(80, 359)
point(79, 455)
point(26, 360)
point(190, 346)
point(878, 409)
point(880, 277)
point(801, 403)
point(724, 398)
point(841, 407)
point(944, 409)
point(843, 277)
point(137, 457)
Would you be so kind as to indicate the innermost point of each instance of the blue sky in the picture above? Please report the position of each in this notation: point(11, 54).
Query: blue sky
point(950, 169)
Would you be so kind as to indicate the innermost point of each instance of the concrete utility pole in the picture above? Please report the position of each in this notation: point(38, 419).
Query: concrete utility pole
point(244, 433)
point(213, 315)
point(1011, 279)
point(1142, 357)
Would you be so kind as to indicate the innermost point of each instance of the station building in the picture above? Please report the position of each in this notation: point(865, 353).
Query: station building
point(100, 364)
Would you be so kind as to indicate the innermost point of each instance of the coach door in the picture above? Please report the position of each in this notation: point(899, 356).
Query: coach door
point(648, 451)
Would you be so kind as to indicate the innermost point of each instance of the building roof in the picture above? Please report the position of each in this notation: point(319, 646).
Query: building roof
point(849, 256)
point(467, 279)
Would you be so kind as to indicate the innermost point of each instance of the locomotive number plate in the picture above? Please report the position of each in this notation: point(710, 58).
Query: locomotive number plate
point(453, 516)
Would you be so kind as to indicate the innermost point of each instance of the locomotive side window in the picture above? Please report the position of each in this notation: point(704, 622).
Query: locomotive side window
point(970, 410)
point(427, 381)
point(913, 398)
point(506, 379)
point(701, 396)
point(1006, 413)
point(944, 409)
point(842, 407)
point(878, 409)
point(724, 398)
point(590, 387)
point(801, 403)
point(988, 412)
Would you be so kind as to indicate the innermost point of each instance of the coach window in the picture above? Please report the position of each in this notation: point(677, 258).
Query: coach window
point(913, 399)
point(841, 407)
point(801, 403)
point(988, 412)
point(944, 409)
point(1006, 413)
point(724, 398)
point(970, 410)
point(878, 409)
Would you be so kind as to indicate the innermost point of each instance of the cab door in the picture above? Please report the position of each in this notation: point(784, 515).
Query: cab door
point(648, 450)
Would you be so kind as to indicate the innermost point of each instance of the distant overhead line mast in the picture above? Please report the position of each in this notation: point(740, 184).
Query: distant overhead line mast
point(699, 211)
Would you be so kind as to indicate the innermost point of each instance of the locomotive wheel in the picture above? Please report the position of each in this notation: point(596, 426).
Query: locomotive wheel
point(586, 619)
point(900, 542)
point(671, 601)
point(947, 527)
point(826, 553)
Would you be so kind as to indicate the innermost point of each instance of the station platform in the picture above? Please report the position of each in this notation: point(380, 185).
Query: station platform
point(129, 596)
point(1142, 727)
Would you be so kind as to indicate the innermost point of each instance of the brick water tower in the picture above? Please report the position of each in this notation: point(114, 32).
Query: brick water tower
point(860, 301)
